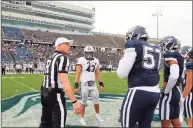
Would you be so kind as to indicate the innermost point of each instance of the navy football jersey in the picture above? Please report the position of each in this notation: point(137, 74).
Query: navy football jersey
point(180, 60)
point(189, 66)
point(145, 70)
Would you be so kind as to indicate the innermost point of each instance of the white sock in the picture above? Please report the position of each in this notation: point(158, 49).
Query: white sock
point(97, 114)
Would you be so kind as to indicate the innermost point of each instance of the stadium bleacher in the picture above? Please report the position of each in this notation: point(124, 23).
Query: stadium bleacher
point(12, 33)
point(4, 57)
point(21, 53)
point(39, 53)
point(94, 39)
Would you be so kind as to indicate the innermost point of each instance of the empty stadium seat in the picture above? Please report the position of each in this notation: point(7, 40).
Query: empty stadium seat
point(94, 40)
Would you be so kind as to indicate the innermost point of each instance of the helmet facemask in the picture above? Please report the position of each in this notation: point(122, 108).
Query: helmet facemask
point(89, 52)
point(89, 55)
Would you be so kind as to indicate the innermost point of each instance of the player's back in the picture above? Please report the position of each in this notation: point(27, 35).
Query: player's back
point(175, 56)
point(88, 68)
point(145, 69)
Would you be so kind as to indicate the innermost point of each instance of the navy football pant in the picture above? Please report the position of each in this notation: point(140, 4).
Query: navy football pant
point(138, 106)
point(169, 107)
point(188, 105)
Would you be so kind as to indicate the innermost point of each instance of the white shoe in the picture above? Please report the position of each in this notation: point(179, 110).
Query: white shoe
point(99, 118)
point(82, 121)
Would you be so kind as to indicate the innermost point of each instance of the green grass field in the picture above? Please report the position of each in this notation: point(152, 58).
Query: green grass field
point(24, 110)
point(13, 84)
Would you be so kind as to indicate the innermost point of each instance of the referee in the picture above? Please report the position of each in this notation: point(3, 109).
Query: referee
point(55, 85)
point(3, 67)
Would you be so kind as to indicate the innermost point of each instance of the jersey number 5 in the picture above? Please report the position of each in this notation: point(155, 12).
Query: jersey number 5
point(151, 57)
point(90, 68)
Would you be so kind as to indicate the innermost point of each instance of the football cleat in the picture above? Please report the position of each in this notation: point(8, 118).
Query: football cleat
point(82, 121)
point(99, 118)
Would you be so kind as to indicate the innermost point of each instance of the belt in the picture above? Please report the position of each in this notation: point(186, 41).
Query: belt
point(89, 83)
point(59, 90)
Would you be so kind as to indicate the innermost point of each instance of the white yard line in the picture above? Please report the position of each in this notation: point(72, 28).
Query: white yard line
point(23, 84)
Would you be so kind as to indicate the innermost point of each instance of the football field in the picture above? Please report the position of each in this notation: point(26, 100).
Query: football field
point(21, 102)
point(13, 84)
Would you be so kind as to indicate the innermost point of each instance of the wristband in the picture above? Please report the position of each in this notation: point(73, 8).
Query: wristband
point(74, 101)
point(101, 84)
point(76, 85)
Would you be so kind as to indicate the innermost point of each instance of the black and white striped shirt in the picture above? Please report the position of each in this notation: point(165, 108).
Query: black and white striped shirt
point(57, 63)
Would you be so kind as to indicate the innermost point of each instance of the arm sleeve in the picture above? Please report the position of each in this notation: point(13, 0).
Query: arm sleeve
point(126, 63)
point(174, 74)
point(63, 64)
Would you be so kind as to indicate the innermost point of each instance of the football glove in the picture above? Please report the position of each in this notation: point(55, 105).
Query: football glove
point(76, 85)
point(101, 84)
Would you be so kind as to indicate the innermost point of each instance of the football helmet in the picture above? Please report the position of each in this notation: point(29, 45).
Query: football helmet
point(185, 50)
point(169, 43)
point(137, 32)
point(89, 52)
point(190, 53)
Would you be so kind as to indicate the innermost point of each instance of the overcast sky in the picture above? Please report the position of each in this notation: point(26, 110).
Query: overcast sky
point(119, 16)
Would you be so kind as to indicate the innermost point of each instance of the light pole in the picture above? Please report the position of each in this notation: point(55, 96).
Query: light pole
point(157, 15)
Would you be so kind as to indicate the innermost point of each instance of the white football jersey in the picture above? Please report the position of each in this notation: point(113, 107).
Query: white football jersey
point(7, 66)
point(42, 67)
point(17, 66)
point(11, 66)
point(109, 66)
point(24, 66)
point(88, 69)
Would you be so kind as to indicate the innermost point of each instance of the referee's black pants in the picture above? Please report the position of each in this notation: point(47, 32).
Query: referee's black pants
point(53, 109)
point(2, 71)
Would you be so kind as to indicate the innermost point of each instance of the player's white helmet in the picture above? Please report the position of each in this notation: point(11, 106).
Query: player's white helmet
point(89, 52)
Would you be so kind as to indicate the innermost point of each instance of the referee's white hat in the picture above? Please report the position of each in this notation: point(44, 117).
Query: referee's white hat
point(62, 40)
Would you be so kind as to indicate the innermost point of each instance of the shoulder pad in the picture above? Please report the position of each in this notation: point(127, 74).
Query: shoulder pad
point(81, 60)
point(189, 66)
point(133, 43)
point(172, 56)
point(96, 60)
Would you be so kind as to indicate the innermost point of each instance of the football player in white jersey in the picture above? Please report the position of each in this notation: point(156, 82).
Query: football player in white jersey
point(7, 67)
point(86, 71)
point(11, 67)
